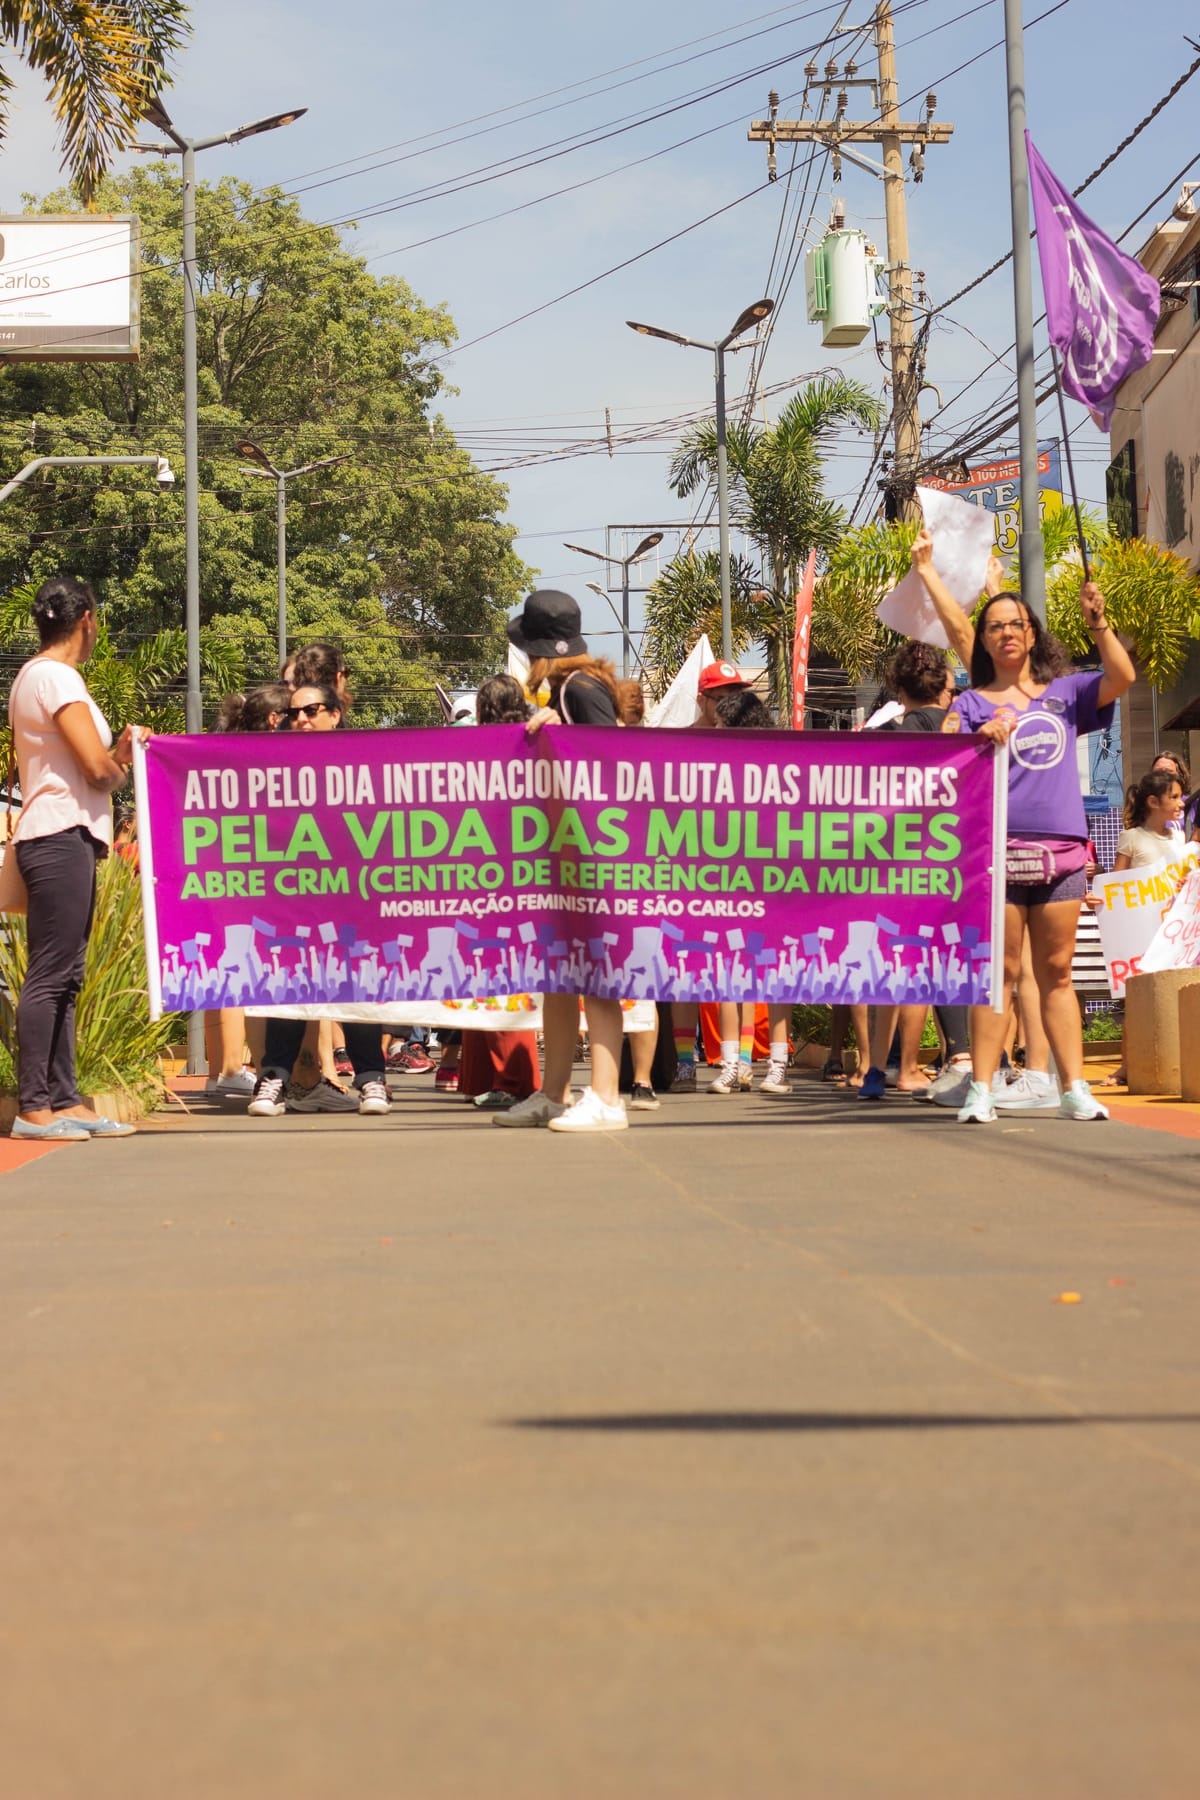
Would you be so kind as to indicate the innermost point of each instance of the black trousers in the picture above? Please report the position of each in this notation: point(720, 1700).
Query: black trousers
point(60, 873)
point(364, 1046)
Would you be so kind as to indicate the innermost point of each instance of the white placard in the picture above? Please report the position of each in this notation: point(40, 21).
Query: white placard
point(1137, 904)
point(963, 539)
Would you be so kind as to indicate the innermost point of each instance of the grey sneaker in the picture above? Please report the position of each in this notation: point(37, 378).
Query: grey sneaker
point(1032, 1091)
point(685, 1078)
point(1079, 1102)
point(643, 1098)
point(267, 1101)
point(532, 1114)
point(949, 1088)
point(326, 1097)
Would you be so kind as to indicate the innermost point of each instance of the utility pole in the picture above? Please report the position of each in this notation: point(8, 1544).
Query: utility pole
point(839, 135)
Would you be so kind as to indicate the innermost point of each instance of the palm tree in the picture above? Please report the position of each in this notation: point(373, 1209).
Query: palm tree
point(776, 499)
point(104, 60)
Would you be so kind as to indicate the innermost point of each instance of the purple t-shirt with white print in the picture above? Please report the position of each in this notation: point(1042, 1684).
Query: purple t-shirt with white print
point(1044, 800)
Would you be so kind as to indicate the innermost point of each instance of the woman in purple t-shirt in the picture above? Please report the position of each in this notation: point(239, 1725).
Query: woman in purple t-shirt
point(1024, 694)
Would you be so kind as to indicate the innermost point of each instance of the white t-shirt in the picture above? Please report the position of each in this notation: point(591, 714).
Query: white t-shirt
point(1144, 847)
point(55, 793)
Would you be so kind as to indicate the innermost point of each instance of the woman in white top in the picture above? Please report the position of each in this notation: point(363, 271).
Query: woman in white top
point(68, 768)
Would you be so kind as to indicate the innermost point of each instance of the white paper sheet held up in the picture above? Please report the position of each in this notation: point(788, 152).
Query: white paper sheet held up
point(963, 538)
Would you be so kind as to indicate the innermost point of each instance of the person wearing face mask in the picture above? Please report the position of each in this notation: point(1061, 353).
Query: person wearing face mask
point(69, 767)
point(316, 707)
point(1023, 694)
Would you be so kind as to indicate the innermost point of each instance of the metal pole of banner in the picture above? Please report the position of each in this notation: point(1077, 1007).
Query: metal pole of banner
point(193, 712)
point(723, 513)
point(1032, 549)
point(281, 563)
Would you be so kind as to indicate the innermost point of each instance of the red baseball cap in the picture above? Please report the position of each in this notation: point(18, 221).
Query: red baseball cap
point(722, 675)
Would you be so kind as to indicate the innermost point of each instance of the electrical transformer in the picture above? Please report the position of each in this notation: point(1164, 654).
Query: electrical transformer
point(841, 286)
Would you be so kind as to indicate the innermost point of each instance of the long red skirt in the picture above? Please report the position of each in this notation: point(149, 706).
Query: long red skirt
point(506, 1060)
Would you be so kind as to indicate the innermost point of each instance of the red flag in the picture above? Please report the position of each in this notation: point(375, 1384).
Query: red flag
point(804, 600)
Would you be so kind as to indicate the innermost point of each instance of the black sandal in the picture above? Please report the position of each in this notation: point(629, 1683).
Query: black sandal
point(832, 1069)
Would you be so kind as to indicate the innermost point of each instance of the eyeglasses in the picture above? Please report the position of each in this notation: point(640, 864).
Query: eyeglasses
point(307, 712)
point(1002, 625)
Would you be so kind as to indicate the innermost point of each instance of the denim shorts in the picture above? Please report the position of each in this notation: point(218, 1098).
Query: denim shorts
point(1072, 886)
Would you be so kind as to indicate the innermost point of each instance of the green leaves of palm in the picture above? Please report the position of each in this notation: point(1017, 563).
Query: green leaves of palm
point(103, 60)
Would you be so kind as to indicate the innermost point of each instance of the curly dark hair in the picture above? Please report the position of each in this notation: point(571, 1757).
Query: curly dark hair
point(501, 701)
point(918, 672)
point(740, 709)
point(1047, 658)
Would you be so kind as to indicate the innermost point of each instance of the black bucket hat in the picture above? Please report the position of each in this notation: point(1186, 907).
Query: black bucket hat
point(548, 625)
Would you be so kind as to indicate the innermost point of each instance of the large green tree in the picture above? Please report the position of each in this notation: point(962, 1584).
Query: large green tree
point(399, 553)
point(778, 501)
point(103, 61)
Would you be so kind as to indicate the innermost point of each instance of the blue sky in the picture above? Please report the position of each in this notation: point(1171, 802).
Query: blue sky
point(400, 86)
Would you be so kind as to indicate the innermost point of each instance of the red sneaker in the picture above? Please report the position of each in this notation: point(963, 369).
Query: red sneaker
point(446, 1081)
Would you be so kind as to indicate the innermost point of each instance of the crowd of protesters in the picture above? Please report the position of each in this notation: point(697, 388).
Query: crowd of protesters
point(1017, 675)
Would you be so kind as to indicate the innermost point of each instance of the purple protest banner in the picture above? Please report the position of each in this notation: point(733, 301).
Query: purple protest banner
point(383, 866)
point(1101, 305)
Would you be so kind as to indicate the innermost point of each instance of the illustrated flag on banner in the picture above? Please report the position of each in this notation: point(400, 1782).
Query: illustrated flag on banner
point(1101, 305)
point(802, 644)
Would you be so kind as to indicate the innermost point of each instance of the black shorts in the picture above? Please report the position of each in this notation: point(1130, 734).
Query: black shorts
point(1072, 886)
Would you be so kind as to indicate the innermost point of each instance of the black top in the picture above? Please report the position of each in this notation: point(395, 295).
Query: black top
point(583, 700)
point(925, 718)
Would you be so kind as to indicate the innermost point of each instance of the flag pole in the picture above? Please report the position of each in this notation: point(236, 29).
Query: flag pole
point(1031, 548)
point(1062, 413)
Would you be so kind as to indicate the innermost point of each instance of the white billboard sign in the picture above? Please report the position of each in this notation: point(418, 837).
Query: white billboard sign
point(69, 287)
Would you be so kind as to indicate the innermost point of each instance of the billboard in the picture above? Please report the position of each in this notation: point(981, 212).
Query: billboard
point(69, 287)
point(996, 487)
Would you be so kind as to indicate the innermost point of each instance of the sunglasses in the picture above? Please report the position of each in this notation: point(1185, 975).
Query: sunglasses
point(307, 712)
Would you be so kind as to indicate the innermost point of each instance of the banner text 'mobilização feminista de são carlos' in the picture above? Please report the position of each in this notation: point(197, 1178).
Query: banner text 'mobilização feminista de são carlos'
point(426, 865)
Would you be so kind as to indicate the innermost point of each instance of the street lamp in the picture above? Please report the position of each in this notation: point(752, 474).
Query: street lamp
point(187, 148)
point(624, 563)
point(164, 473)
point(753, 315)
point(246, 447)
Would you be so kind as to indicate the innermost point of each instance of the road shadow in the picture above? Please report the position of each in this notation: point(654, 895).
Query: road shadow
point(761, 1422)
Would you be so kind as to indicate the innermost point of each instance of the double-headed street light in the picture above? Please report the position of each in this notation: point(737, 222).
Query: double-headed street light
point(624, 563)
point(187, 149)
point(753, 315)
point(256, 454)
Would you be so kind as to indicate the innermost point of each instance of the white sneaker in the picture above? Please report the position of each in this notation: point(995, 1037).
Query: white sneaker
point(535, 1112)
point(1079, 1102)
point(1032, 1091)
point(242, 1081)
point(590, 1113)
point(268, 1100)
point(775, 1080)
point(728, 1081)
point(979, 1108)
point(373, 1097)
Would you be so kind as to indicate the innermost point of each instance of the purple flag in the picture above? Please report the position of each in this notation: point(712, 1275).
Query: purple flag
point(1101, 305)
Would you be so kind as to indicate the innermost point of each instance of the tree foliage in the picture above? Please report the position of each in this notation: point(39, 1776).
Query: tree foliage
point(776, 499)
point(103, 60)
point(398, 553)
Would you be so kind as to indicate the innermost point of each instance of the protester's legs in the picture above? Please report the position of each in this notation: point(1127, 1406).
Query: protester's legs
point(683, 1028)
point(284, 1038)
point(256, 1037)
point(605, 1031)
point(956, 1030)
point(1033, 1032)
point(60, 874)
point(882, 1033)
point(364, 1044)
point(560, 1030)
point(1052, 944)
point(912, 1029)
point(225, 1040)
point(642, 1045)
point(988, 1027)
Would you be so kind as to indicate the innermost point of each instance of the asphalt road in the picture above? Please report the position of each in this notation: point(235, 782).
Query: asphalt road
point(749, 1454)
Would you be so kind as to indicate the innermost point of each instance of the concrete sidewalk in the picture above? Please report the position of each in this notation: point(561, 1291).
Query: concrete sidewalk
point(753, 1452)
